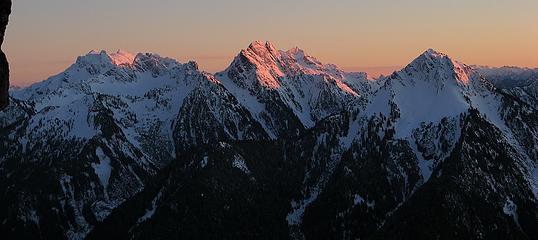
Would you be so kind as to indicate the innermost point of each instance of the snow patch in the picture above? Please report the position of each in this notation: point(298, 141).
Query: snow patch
point(204, 161)
point(239, 163)
point(425, 166)
point(151, 211)
point(122, 58)
point(103, 169)
point(510, 209)
point(358, 200)
point(295, 217)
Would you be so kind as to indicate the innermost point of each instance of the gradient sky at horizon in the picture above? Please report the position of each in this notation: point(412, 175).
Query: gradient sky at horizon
point(45, 37)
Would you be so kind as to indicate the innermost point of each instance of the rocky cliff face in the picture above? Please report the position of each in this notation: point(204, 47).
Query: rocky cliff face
point(5, 10)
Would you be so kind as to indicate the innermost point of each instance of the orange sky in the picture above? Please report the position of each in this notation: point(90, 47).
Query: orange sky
point(44, 37)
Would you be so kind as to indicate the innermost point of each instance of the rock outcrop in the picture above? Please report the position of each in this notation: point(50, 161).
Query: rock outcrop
point(5, 10)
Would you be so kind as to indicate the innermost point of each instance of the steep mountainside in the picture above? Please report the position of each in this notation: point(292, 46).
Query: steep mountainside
point(5, 10)
point(273, 84)
point(278, 145)
point(435, 145)
point(418, 161)
point(98, 131)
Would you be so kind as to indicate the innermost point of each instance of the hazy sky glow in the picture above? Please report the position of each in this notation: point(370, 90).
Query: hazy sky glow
point(44, 37)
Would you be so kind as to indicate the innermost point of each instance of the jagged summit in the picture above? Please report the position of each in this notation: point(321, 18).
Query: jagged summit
point(268, 51)
point(434, 66)
point(300, 55)
point(261, 47)
point(264, 57)
point(94, 57)
point(122, 57)
point(117, 58)
point(433, 86)
point(264, 77)
point(101, 61)
point(304, 60)
point(432, 56)
point(296, 50)
point(434, 53)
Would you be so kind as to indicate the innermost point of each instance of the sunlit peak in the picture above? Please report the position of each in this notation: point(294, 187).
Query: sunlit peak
point(122, 58)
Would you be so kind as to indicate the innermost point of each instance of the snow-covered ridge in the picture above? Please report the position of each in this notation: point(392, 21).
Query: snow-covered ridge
point(430, 88)
point(139, 110)
point(509, 76)
point(259, 77)
point(119, 57)
point(437, 67)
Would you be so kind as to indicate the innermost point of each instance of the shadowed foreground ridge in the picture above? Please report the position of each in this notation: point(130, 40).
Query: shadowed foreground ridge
point(5, 10)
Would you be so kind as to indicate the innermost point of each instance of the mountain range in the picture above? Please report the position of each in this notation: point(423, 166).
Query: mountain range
point(276, 146)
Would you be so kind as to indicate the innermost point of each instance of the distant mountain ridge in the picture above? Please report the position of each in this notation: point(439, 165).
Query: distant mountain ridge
point(278, 144)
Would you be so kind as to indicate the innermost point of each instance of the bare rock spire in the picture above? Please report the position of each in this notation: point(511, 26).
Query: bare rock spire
point(5, 10)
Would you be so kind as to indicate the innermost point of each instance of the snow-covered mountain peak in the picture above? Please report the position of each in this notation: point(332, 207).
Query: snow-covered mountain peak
point(102, 57)
point(122, 57)
point(297, 53)
point(95, 57)
point(433, 86)
point(117, 74)
point(270, 65)
point(262, 48)
point(437, 68)
point(259, 61)
point(261, 53)
point(298, 85)
point(434, 53)
point(297, 61)
point(98, 62)
point(430, 59)
point(301, 57)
